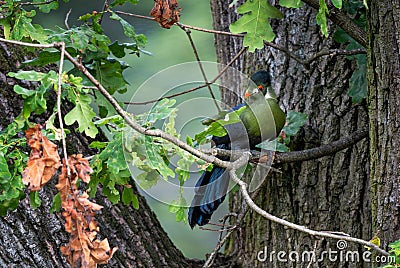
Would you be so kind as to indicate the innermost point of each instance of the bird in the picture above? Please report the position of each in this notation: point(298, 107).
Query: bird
point(262, 119)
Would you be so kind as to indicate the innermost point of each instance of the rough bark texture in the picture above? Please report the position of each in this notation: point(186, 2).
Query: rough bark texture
point(330, 193)
point(384, 101)
point(32, 238)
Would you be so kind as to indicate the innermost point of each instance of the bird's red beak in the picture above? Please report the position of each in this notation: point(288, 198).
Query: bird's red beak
point(247, 94)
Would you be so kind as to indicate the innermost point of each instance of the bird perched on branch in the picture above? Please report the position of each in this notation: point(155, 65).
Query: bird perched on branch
point(261, 120)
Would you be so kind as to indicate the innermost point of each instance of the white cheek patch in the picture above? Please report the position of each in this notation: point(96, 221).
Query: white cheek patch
point(255, 90)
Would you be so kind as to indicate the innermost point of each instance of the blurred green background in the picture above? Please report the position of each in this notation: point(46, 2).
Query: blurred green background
point(168, 47)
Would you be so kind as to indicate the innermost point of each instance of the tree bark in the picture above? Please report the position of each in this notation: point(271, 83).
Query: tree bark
point(32, 238)
point(330, 193)
point(383, 74)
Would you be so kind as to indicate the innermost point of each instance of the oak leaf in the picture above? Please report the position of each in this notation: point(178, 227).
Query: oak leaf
point(83, 249)
point(166, 12)
point(43, 161)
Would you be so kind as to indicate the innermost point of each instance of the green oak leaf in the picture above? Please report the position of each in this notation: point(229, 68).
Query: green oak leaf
point(83, 114)
point(113, 155)
point(128, 197)
point(273, 145)
point(255, 23)
point(129, 31)
point(46, 8)
point(291, 3)
point(109, 74)
point(358, 81)
point(56, 205)
point(121, 2)
point(337, 3)
point(156, 158)
point(5, 174)
point(321, 17)
point(217, 128)
point(295, 121)
point(34, 100)
point(34, 199)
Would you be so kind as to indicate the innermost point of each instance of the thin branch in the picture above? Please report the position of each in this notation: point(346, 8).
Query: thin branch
point(195, 88)
point(168, 96)
point(184, 25)
point(67, 18)
point(260, 211)
point(299, 156)
point(27, 44)
point(328, 149)
point(305, 62)
point(60, 121)
point(105, 8)
point(196, 54)
point(339, 18)
point(324, 52)
point(334, 52)
point(35, 3)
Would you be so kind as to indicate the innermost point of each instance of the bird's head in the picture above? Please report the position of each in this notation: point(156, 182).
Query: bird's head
point(262, 79)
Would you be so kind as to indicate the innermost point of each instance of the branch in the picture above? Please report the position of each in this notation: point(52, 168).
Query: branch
point(328, 149)
point(196, 54)
point(299, 156)
point(257, 209)
point(60, 119)
point(184, 25)
point(339, 18)
point(195, 88)
point(333, 52)
point(324, 52)
point(36, 3)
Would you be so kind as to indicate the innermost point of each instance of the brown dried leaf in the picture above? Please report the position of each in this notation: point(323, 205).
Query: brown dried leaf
point(83, 250)
point(102, 252)
point(166, 12)
point(43, 161)
point(84, 201)
point(33, 137)
point(33, 173)
point(81, 167)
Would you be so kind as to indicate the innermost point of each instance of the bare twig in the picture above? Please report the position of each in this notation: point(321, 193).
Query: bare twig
point(306, 62)
point(35, 3)
point(67, 18)
point(184, 25)
point(260, 211)
point(28, 44)
point(339, 18)
point(105, 8)
point(195, 88)
point(196, 54)
point(324, 150)
point(60, 120)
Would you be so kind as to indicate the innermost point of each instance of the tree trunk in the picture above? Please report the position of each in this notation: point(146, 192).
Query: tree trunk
point(330, 193)
point(383, 63)
point(32, 238)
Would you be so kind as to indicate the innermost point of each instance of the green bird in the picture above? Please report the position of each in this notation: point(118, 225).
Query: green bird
point(261, 120)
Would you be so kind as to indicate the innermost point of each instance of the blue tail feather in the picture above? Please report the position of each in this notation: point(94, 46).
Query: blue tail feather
point(210, 192)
